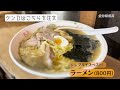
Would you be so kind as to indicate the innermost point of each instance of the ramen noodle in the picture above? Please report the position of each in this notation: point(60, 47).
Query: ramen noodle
point(52, 50)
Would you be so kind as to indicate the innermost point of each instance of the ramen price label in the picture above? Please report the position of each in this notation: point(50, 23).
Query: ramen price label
point(92, 73)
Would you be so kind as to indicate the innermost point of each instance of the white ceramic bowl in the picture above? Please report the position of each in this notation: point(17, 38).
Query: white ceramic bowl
point(14, 44)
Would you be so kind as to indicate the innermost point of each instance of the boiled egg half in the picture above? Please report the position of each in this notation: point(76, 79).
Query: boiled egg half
point(59, 40)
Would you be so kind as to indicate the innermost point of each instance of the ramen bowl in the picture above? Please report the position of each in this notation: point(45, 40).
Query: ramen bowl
point(15, 42)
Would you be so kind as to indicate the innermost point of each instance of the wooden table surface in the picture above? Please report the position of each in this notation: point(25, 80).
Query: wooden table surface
point(8, 30)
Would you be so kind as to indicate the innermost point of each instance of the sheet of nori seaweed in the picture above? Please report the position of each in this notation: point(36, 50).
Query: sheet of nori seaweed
point(83, 46)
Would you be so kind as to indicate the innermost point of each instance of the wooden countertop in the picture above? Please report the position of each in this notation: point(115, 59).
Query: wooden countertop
point(8, 30)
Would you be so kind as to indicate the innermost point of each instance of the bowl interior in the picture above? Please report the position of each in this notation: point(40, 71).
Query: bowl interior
point(15, 42)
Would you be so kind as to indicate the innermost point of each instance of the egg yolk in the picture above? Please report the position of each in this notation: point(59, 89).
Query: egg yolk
point(58, 41)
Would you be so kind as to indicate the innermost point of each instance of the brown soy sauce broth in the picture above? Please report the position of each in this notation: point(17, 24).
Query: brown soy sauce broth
point(94, 42)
